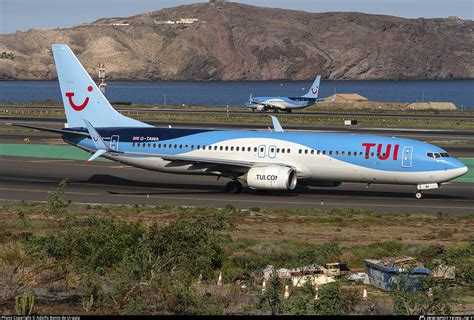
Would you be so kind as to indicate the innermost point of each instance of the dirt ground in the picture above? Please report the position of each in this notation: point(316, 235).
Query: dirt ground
point(348, 228)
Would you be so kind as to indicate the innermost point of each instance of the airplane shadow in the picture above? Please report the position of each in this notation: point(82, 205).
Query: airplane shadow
point(104, 179)
point(376, 193)
point(182, 189)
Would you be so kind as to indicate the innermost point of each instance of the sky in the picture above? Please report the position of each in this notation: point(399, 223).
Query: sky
point(28, 14)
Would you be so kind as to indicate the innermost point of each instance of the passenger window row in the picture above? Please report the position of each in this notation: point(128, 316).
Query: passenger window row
point(262, 149)
point(342, 153)
point(204, 147)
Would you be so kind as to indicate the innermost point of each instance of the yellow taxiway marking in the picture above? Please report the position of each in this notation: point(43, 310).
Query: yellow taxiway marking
point(70, 163)
point(47, 161)
point(45, 191)
point(98, 184)
point(26, 179)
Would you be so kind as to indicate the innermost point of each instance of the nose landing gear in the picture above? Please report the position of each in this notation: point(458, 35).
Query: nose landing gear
point(425, 186)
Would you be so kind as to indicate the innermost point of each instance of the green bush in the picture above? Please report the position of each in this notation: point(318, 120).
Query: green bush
point(430, 298)
point(320, 254)
point(243, 265)
point(94, 247)
point(195, 246)
point(184, 300)
point(56, 203)
point(302, 301)
point(330, 300)
point(270, 298)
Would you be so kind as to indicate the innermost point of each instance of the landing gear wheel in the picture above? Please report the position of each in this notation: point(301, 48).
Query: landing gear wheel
point(233, 187)
point(418, 195)
point(288, 111)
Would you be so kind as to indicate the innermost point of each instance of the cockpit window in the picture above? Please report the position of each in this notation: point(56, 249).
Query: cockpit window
point(437, 155)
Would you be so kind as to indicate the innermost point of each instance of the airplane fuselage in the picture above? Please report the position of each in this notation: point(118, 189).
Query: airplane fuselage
point(314, 156)
point(281, 103)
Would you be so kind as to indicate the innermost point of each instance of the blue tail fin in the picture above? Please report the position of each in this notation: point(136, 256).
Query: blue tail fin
point(314, 90)
point(82, 98)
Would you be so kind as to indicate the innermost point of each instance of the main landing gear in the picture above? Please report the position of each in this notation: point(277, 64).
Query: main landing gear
point(233, 187)
point(419, 195)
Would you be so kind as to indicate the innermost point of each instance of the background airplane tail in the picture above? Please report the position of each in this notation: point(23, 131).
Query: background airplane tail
point(314, 90)
point(82, 98)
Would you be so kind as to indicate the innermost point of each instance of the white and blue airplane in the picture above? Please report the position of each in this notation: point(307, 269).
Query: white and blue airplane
point(263, 160)
point(287, 104)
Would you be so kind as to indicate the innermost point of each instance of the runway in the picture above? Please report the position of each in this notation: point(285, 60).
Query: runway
point(111, 183)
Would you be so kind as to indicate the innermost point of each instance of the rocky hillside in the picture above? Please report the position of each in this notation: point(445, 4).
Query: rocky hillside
point(240, 42)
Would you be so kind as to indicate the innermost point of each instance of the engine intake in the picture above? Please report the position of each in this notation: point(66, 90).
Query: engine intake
point(272, 178)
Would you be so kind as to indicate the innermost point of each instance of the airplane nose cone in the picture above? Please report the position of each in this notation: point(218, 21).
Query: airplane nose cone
point(459, 171)
point(455, 168)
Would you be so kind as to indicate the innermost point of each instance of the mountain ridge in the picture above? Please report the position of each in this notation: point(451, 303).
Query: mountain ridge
point(233, 41)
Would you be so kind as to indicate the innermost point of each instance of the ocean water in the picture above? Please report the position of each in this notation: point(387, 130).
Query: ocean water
point(460, 92)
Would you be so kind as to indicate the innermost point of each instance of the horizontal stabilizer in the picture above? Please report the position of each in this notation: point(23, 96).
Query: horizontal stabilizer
point(59, 131)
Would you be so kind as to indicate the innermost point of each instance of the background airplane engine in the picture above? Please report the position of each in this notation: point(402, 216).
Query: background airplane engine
point(260, 107)
point(272, 178)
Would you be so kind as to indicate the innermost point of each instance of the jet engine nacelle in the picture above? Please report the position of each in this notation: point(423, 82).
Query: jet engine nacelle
point(272, 178)
point(260, 107)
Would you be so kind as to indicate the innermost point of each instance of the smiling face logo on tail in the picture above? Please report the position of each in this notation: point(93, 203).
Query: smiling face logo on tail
point(315, 90)
point(76, 107)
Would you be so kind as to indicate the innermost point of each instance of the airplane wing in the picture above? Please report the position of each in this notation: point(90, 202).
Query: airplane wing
point(192, 159)
point(220, 167)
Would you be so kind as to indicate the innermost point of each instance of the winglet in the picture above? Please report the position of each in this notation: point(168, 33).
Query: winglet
point(276, 125)
point(96, 138)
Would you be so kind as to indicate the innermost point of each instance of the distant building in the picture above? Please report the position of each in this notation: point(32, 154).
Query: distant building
point(180, 21)
point(347, 97)
point(431, 105)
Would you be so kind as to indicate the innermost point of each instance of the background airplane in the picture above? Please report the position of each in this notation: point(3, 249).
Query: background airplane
point(262, 160)
point(287, 104)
